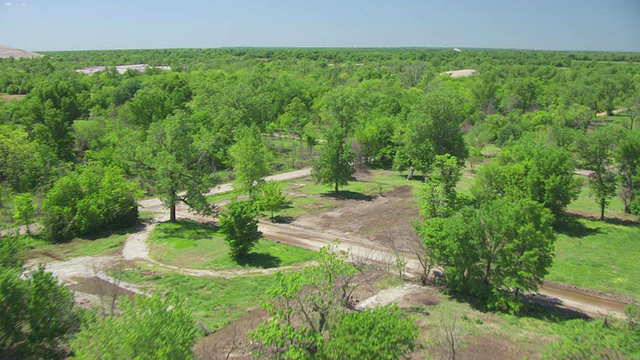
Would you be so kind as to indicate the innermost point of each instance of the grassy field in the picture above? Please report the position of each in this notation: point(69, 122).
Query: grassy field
point(587, 205)
point(601, 255)
point(109, 245)
point(215, 301)
point(197, 246)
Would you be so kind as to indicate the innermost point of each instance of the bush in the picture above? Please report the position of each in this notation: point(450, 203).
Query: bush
point(85, 202)
point(147, 328)
point(240, 227)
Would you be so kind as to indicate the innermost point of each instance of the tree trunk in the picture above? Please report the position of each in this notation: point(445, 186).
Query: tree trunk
point(172, 213)
point(602, 204)
point(410, 176)
point(336, 187)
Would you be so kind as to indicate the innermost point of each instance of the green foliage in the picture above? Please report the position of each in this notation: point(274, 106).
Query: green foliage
point(595, 340)
point(177, 157)
point(24, 163)
point(439, 191)
point(627, 155)
point(94, 199)
point(145, 328)
point(271, 198)
point(433, 128)
point(596, 152)
point(380, 333)
point(495, 253)
point(37, 314)
point(333, 168)
point(304, 307)
point(23, 210)
point(250, 159)
point(532, 168)
point(238, 223)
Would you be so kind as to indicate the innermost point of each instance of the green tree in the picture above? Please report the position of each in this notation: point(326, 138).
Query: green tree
point(250, 159)
point(271, 198)
point(627, 155)
point(596, 152)
point(24, 211)
point(91, 199)
point(380, 333)
point(495, 253)
point(176, 158)
point(439, 190)
point(240, 227)
point(38, 314)
point(304, 307)
point(144, 328)
point(334, 164)
point(433, 128)
point(531, 168)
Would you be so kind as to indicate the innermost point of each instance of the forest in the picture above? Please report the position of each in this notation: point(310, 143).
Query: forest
point(258, 202)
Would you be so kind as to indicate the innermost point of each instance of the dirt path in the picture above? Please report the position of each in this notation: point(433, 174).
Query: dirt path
point(614, 112)
point(308, 236)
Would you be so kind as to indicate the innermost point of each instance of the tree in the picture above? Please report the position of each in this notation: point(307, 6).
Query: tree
point(250, 159)
point(494, 253)
point(311, 317)
point(632, 111)
point(144, 328)
point(627, 156)
point(380, 333)
point(271, 198)
point(38, 314)
point(175, 158)
point(433, 129)
point(334, 164)
point(91, 199)
point(439, 190)
point(531, 168)
point(240, 227)
point(24, 211)
point(596, 150)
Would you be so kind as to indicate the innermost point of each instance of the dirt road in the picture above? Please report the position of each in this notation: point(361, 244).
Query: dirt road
point(308, 237)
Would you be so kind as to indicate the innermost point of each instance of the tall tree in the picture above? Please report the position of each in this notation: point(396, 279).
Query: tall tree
point(439, 191)
point(433, 129)
point(179, 164)
point(250, 159)
point(532, 168)
point(627, 156)
point(495, 253)
point(596, 152)
point(334, 165)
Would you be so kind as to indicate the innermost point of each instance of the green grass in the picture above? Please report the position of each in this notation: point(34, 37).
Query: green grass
point(215, 301)
point(586, 203)
point(600, 255)
point(197, 246)
point(109, 245)
point(491, 150)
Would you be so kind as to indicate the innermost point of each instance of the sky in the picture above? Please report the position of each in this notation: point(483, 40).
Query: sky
point(48, 25)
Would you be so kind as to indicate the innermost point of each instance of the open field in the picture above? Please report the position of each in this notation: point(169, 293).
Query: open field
point(10, 97)
point(77, 247)
point(600, 255)
point(198, 246)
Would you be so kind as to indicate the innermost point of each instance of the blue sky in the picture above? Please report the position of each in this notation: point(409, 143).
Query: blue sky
point(609, 25)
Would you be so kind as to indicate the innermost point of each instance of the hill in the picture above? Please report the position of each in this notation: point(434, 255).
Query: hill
point(7, 52)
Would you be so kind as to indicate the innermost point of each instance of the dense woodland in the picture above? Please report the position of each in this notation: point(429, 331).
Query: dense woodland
point(78, 151)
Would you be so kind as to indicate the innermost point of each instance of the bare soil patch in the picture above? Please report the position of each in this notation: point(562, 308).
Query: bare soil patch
point(374, 220)
point(232, 339)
